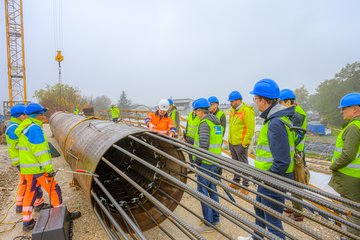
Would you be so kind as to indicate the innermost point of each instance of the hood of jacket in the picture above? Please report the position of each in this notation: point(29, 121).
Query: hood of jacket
point(212, 118)
point(277, 111)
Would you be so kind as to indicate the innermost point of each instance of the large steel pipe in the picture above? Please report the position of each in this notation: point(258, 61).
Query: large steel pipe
point(85, 142)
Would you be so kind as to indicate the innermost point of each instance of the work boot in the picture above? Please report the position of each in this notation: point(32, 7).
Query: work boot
point(18, 209)
point(75, 215)
point(244, 191)
point(30, 226)
point(245, 238)
point(41, 206)
point(296, 217)
point(205, 229)
point(234, 186)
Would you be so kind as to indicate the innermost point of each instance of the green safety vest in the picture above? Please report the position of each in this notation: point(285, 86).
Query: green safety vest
point(216, 138)
point(264, 159)
point(12, 144)
point(353, 169)
point(192, 125)
point(34, 158)
point(219, 114)
point(76, 111)
point(115, 112)
point(173, 117)
point(301, 146)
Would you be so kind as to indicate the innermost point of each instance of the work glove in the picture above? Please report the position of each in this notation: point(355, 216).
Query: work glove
point(51, 174)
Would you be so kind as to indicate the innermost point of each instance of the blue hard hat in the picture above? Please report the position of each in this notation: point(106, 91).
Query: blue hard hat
point(213, 99)
point(171, 102)
point(35, 108)
point(287, 94)
point(350, 99)
point(234, 95)
point(201, 103)
point(266, 88)
point(17, 110)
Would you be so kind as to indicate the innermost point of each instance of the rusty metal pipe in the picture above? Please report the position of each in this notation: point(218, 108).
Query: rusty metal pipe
point(85, 141)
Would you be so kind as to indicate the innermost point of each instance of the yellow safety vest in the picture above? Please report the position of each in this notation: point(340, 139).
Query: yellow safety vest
point(216, 134)
point(264, 158)
point(353, 169)
point(35, 158)
point(12, 143)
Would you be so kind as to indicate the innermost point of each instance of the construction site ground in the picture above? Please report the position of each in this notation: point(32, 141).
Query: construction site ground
point(88, 227)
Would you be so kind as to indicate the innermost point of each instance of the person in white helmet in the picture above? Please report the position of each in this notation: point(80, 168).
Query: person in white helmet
point(159, 121)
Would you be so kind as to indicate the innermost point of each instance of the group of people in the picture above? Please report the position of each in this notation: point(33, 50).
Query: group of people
point(276, 146)
point(30, 154)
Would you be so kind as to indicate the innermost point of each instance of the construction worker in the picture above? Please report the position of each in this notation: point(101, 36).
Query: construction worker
point(274, 150)
point(192, 124)
point(345, 165)
point(174, 114)
point(214, 109)
point(241, 131)
point(36, 164)
point(76, 110)
point(209, 137)
point(115, 113)
point(17, 113)
point(159, 121)
point(287, 99)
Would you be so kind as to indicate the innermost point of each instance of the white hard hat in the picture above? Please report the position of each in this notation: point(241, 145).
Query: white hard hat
point(164, 105)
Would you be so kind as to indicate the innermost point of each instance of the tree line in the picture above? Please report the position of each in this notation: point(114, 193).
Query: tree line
point(324, 101)
point(63, 97)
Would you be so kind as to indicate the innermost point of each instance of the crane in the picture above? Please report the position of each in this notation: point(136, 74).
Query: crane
point(15, 53)
point(16, 50)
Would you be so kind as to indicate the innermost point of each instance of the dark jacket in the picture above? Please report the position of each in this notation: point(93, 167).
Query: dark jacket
point(297, 119)
point(345, 185)
point(278, 137)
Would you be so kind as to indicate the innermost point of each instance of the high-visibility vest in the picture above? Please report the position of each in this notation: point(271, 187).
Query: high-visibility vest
point(299, 110)
point(264, 158)
point(34, 150)
point(216, 134)
point(76, 111)
point(241, 131)
point(115, 112)
point(219, 114)
point(173, 117)
point(352, 169)
point(192, 125)
point(12, 142)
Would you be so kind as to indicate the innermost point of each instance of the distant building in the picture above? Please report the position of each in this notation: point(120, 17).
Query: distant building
point(183, 105)
point(139, 107)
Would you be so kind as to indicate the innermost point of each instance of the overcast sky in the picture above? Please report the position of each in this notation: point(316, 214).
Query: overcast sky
point(186, 48)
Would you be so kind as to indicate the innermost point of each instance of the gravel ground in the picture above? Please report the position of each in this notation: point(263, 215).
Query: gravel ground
point(88, 227)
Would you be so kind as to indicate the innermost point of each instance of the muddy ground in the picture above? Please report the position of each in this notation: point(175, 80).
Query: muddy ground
point(88, 227)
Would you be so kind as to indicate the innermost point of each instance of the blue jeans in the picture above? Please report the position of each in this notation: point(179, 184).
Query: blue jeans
point(266, 216)
point(210, 215)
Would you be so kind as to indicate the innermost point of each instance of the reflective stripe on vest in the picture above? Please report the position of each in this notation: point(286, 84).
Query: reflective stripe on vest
point(264, 158)
point(34, 158)
point(353, 169)
point(12, 145)
point(192, 125)
point(215, 141)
